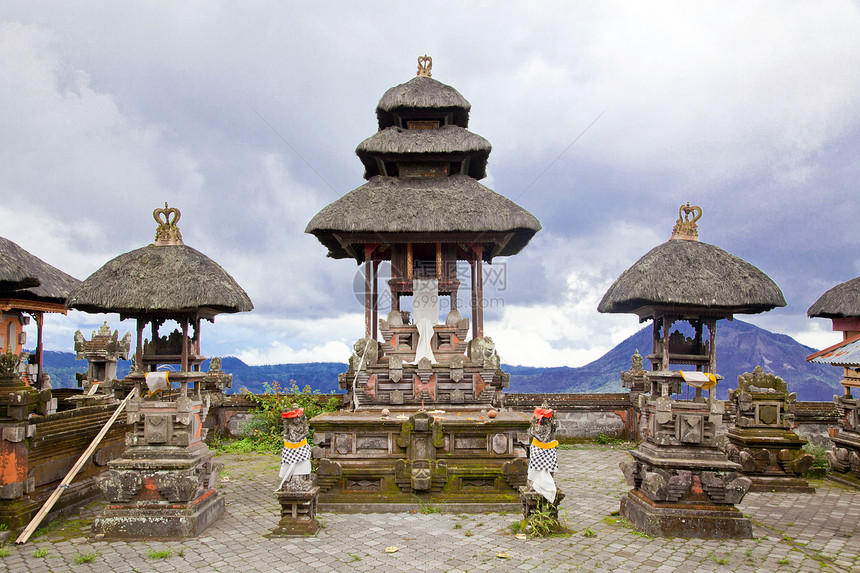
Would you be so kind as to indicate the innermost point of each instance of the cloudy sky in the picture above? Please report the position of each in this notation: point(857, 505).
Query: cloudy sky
point(604, 117)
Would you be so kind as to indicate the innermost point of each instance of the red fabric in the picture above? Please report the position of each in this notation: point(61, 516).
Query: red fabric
point(543, 413)
point(293, 413)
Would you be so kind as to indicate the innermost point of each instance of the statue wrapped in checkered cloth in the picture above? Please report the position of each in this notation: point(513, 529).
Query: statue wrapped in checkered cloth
point(543, 456)
point(296, 455)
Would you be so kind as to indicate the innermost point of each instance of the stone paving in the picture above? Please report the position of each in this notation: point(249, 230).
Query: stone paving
point(793, 532)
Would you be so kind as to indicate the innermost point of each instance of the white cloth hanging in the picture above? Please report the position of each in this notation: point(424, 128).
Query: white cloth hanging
point(425, 311)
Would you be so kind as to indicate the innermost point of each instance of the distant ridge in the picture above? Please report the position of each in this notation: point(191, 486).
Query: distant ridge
point(741, 347)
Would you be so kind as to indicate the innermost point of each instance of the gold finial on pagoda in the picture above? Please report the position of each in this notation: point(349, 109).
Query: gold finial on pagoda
point(686, 227)
point(167, 232)
point(425, 64)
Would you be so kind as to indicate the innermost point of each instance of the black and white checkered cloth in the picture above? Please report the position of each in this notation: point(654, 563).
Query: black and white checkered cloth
point(543, 459)
point(295, 455)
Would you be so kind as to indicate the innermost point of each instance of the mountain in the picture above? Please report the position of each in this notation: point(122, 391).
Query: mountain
point(740, 348)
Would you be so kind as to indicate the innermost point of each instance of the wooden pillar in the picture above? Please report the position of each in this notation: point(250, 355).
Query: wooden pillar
point(655, 337)
point(368, 280)
point(479, 289)
point(667, 326)
point(39, 316)
point(184, 354)
point(375, 297)
point(474, 311)
point(139, 350)
point(712, 351)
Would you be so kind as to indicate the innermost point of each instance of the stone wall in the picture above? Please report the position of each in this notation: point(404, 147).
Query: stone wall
point(581, 417)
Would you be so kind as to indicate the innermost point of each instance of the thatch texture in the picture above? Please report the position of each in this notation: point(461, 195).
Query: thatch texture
point(422, 93)
point(36, 279)
point(414, 144)
point(842, 301)
point(452, 204)
point(692, 274)
point(159, 279)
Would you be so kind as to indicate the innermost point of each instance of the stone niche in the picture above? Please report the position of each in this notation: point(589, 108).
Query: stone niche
point(762, 440)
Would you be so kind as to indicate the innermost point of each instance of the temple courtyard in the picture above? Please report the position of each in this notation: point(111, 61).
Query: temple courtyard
point(792, 532)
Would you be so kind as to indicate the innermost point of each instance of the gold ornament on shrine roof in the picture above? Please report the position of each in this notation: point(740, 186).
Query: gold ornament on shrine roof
point(167, 232)
point(686, 227)
point(425, 64)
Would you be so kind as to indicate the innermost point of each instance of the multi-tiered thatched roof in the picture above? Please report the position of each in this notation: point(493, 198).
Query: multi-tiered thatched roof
point(425, 93)
point(450, 141)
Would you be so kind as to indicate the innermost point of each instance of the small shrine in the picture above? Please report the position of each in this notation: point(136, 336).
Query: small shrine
point(29, 288)
point(762, 440)
point(163, 486)
point(841, 304)
point(102, 352)
point(683, 484)
point(421, 214)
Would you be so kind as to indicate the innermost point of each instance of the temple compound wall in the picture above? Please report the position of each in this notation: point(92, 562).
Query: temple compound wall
point(581, 417)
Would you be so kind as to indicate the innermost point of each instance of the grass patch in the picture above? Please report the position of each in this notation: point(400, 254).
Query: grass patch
point(818, 453)
point(4, 552)
point(724, 560)
point(426, 508)
point(161, 554)
point(88, 557)
point(41, 552)
point(588, 532)
point(540, 523)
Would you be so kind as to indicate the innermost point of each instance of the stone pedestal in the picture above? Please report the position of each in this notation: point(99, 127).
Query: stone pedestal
point(844, 458)
point(298, 511)
point(683, 485)
point(163, 486)
point(533, 501)
point(762, 441)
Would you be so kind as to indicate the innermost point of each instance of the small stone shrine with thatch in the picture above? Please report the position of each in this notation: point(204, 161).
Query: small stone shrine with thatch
point(29, 287)
point(102, 352)
point(683, 484)
point(163, 486)
point(421, 428)
point(841, 304)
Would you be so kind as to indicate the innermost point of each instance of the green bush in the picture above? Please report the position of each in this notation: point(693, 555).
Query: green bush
point(819, 454)
point(266, 427)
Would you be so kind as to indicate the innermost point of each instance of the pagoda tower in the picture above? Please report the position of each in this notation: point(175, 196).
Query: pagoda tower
point(422, 211)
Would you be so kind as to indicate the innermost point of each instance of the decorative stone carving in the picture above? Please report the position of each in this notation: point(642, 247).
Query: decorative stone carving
point(762, 441)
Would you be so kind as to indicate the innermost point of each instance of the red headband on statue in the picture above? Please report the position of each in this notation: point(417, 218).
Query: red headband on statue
point(543, 413)
point(293, 413)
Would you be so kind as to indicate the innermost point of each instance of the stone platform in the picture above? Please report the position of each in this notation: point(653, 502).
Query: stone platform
point(814, 532)
point(460, 460)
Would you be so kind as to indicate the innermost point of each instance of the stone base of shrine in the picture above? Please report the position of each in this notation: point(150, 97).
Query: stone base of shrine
point(779, 484)
point(533, 502)
point(844, 458)
point(700, 521)
point(460, 462)
point(298, 513)
point(159, 520)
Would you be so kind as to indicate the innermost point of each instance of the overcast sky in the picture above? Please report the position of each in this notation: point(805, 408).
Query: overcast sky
point(246, 115)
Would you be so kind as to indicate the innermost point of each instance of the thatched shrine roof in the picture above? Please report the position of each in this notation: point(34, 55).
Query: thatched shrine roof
point(841, 301)
point(450, 140)
point(686, 273)
point(422, 92)
point(25, 276)
point(158, 279)
point(164, 278)
point(454, 204)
